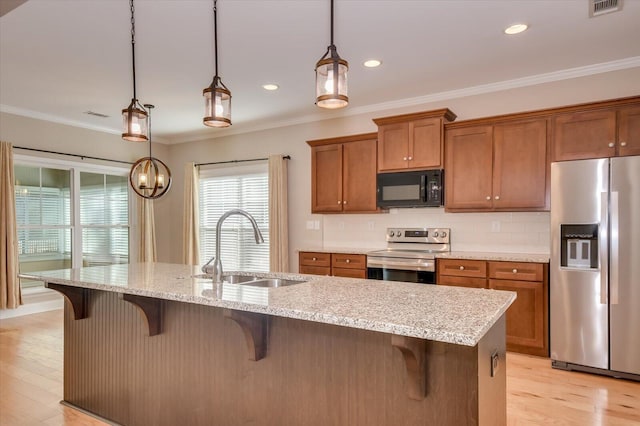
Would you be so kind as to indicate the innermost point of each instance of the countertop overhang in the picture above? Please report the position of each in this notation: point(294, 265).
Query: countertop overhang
point(441, 313)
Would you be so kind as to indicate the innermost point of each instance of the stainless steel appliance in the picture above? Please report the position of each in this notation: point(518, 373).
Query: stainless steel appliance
point(410, 255)
point(595, 266)
point(410, 189)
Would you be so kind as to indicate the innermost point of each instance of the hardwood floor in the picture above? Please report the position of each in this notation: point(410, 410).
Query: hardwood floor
point(31, 384)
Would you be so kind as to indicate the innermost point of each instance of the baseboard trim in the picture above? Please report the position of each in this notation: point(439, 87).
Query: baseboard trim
point(34, 303)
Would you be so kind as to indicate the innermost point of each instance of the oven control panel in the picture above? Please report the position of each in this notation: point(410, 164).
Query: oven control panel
point(418, 235)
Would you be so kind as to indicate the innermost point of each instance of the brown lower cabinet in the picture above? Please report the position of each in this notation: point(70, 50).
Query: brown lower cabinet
point(528, 316)
point(336, 264)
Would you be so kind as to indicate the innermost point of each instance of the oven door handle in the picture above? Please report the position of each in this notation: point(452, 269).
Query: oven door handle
point(423, 188)
point(404, 265)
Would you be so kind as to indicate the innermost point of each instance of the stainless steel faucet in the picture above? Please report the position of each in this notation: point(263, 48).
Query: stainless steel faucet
point(217, 263)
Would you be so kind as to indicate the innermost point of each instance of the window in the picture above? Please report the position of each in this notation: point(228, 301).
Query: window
point(43, 215)
point(241, 188)
point(69, 218)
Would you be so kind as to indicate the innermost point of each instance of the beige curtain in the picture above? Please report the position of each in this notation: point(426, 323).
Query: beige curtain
point(146, 231)
point(190, 227)
point(278, 218)
point(10, 295)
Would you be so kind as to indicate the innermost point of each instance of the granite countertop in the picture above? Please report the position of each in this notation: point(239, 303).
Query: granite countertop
point(441, 313)
point(471, 255)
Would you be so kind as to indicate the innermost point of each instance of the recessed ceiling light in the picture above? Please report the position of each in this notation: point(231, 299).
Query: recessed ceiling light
point(372, 63)
point(270, 87)
point(515, 29)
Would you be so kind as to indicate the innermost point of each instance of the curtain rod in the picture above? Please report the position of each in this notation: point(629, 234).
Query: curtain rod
point(286, 157)
point(73, 155)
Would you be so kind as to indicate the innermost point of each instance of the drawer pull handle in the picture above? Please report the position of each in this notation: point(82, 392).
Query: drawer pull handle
point(462, 268)
point(515, 271)
point(314, 258)
point(497, 197)
point(410, 158)
point(488, 197)
point(404, 158)
point(623, 144)
point(339, 202)
point(611, 144)
point(348, 261)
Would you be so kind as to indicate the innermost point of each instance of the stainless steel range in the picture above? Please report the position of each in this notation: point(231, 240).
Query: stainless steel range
point(410, 255)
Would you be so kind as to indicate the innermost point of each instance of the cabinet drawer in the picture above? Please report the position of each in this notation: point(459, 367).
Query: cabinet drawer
point(520, 271)
point(350, 261)
point(462, 281)
point(310, 258)
point(315, 270)
point(349, 273)
point(462, 268)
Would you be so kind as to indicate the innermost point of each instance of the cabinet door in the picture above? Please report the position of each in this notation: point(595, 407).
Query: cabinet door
point(584, 135)
point(520, 178)
point(629, 131)
point(359, 176)
point(469, 161)
point(326, 178)
point(393, 146)
point(425, 144)
point(526, 327)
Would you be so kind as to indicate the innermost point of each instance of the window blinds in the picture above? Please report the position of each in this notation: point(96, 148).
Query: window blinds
point(218, 194)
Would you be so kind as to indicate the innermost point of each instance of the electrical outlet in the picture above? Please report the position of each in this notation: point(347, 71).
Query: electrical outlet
point(309, 224)
point(316, 225)
point(495, 226)
point(371, 225)
point(341, 225)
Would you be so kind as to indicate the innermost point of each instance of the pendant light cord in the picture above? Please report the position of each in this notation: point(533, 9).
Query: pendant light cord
point(331, 22)
point(133, 48)
point(215, 34)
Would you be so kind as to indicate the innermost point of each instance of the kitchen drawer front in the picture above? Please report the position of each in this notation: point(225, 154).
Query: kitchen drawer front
point(462, 268)
point(351, 261)
point(315, 270)
point(310, 258)
point(520, 271)
point(462, 281)
point(349, 273)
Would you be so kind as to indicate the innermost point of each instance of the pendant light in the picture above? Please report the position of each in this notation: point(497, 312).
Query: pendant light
point(331, 77)
point(217, 98)
point(134, 117)
point(150, 177)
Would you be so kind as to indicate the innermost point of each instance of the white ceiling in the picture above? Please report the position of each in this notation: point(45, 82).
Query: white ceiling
point(60, 58)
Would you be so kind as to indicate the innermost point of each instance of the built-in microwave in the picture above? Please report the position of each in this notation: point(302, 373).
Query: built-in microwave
point(423, 188)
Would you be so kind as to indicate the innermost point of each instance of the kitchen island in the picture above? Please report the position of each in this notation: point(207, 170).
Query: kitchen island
point(155, 343)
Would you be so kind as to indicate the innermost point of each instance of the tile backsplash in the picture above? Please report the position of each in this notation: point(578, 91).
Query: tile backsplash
point(492, 232)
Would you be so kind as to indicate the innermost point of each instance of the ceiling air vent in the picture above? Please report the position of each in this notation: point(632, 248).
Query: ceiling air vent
point(600, 7)
point(96, 114)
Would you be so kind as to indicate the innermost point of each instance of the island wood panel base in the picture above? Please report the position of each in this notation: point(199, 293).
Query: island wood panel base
point(196, 372)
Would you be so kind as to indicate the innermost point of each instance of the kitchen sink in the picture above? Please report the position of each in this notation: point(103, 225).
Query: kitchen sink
point(252, 280)
point(271, 282)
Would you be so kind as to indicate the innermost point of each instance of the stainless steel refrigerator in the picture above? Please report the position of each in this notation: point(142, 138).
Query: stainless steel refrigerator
point(595, 266)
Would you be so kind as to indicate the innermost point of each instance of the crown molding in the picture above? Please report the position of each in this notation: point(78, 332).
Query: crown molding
point(566, 74)
point(533, 80)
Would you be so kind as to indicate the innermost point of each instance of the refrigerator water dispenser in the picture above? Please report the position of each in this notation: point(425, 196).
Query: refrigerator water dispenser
point(579, 246)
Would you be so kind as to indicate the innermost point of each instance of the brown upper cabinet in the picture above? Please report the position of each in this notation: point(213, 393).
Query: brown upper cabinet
point(600, 130)
point(412, 141)
point(499, 167)
point(343, 174)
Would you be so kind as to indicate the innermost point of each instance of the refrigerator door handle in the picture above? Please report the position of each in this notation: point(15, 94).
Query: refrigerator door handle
point(602, 246)
point(613, 238)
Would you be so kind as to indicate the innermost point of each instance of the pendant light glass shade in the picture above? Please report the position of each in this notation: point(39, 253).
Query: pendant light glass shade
point(331, 77)
point(331, 81)
point(150, 177)
point(135, 123)
point(217, 104)
point(217, 98)
point(134, 118)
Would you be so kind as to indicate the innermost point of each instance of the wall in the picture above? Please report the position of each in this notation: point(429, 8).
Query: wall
point(518, 232)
